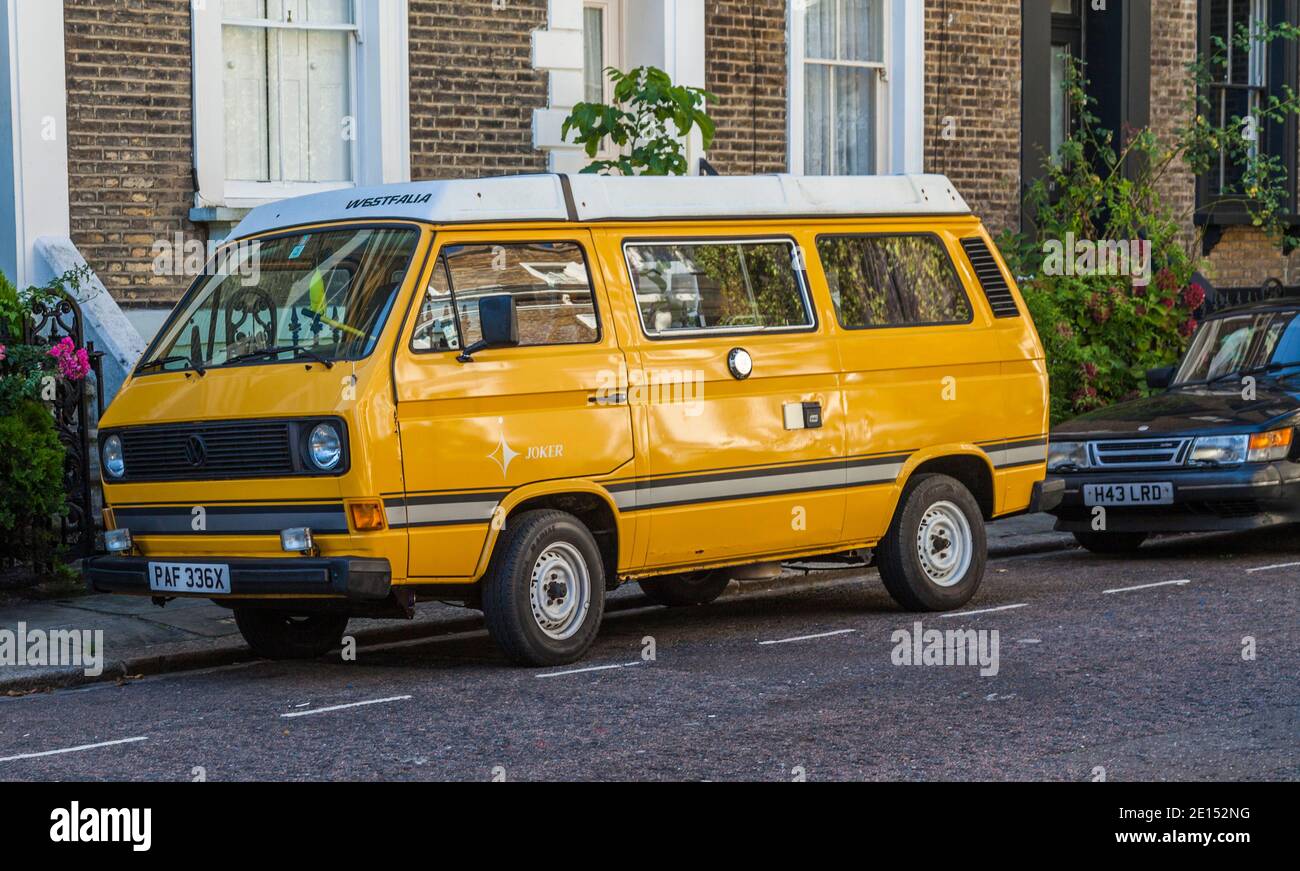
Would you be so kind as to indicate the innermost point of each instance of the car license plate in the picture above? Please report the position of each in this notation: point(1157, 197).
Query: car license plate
point(208, 579)
point(1128, 494)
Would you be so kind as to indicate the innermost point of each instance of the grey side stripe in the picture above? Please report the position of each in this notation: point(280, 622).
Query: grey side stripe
point(232, 519)
point(1006, 455)
point(459, 508)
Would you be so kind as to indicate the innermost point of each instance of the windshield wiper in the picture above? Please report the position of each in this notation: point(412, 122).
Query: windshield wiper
point(1272, 367)
point(175, 358)
point(297, 350)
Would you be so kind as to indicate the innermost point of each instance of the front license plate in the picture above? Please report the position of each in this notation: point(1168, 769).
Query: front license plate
point(1128, 494)
point(206, 579)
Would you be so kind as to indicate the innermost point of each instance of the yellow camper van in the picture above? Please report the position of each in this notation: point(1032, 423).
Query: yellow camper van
point(521, 392)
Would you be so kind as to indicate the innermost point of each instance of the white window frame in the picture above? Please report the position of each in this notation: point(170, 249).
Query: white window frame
point(798, 65)
point(379, 104)
point(612, 41)
point(900, 82)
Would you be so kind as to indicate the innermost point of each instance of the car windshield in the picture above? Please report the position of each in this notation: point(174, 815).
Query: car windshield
point(1243, 343)
point(323, 294)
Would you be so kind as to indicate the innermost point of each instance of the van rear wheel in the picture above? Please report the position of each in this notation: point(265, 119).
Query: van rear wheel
point(933, 556)
point(278, 635)
point(684, 590)
point(544, 592)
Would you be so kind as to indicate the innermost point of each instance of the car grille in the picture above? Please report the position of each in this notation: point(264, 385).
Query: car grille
point(1139, 453)
point(233, 449)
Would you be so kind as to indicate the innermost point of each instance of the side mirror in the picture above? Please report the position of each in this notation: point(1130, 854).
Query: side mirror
point(1160, 378)
point(498, 322)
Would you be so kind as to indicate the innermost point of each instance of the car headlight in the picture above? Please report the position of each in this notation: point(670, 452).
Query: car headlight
point(1268, 446)
point(1067, 455)
point(324, 447)
point(1220, 450)
point(112, 460)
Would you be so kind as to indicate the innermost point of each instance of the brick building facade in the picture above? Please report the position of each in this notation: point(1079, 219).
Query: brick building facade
point(460, 88)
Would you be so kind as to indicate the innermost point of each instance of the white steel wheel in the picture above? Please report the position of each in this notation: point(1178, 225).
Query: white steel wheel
point(944, 544)
point(560, 591)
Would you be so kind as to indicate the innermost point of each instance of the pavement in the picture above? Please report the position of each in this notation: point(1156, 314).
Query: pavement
point(139, 638)
point(1176, 663)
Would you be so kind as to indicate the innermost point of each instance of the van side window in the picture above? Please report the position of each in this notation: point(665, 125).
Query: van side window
point(892, 281)
point(435, 325)
point(549, 281)
point(722, 285)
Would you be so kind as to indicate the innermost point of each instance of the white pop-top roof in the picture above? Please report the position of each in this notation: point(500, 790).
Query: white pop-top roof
point(606, 198)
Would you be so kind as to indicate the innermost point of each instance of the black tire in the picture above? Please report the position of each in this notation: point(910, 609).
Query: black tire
point(691, 588)
point(278, 635)
point(508, 606)
point(898, 557)
point(1111, 542)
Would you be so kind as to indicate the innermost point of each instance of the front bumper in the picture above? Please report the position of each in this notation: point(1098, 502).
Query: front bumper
point(350, 578)
point(1205, 500)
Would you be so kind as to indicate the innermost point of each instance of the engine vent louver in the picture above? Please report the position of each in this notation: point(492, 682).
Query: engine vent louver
point(996, 290)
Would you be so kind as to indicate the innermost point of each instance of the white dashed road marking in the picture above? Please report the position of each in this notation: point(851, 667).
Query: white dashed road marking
point(809, 637)
point(341, 707)
point(1148, 586)
point(75, 749)
point(1272, 568)
point(984, 610)
point(591, 668)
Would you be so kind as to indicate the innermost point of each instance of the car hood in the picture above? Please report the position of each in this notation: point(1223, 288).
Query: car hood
point(1193, 410)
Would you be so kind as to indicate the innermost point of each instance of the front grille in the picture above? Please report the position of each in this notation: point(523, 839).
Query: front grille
point(1140, 453)
point(212, 451)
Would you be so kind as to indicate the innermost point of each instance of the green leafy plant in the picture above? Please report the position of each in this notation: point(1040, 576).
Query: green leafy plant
point(32, 462)
point(1102, 332)
point(31, 480)
point(639, 123)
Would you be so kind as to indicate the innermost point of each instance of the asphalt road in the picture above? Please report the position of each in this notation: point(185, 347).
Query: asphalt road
point(1147, 684)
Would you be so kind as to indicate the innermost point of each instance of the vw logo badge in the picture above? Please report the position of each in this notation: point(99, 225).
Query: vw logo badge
point(196, 452)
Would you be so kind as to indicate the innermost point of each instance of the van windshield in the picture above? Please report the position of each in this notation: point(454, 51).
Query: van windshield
point(324, 294)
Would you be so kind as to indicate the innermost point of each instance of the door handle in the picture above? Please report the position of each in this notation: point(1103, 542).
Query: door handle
point(607, 399)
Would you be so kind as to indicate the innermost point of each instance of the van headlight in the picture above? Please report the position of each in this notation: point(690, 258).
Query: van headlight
point(1220, 450)
point(324, 447)
point(1067, 455)
point(111, 457)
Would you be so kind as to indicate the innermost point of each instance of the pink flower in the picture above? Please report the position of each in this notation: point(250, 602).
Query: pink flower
point(1193, 296)
point(74, 363)
point(3, 353)
point(1187, 328)
point(1166, 280)
point(1089, 371)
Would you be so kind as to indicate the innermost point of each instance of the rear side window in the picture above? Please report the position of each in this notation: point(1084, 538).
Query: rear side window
point(721, 286)
point(549, 281)
point(892, 281)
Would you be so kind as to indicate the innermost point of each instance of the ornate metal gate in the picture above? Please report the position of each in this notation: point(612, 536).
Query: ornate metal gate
point(72, 409)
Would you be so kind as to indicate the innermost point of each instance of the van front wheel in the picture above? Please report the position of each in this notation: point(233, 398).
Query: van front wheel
point(544, 592)
point(277, 635)
point(932, 558)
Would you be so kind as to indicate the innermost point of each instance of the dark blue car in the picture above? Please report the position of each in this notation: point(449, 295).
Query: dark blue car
point(1215, 449)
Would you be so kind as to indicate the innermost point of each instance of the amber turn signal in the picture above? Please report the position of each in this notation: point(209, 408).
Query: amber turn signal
point(367, 516)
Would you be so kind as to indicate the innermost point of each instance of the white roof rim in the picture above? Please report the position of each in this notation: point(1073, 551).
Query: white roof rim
point(596, 198)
